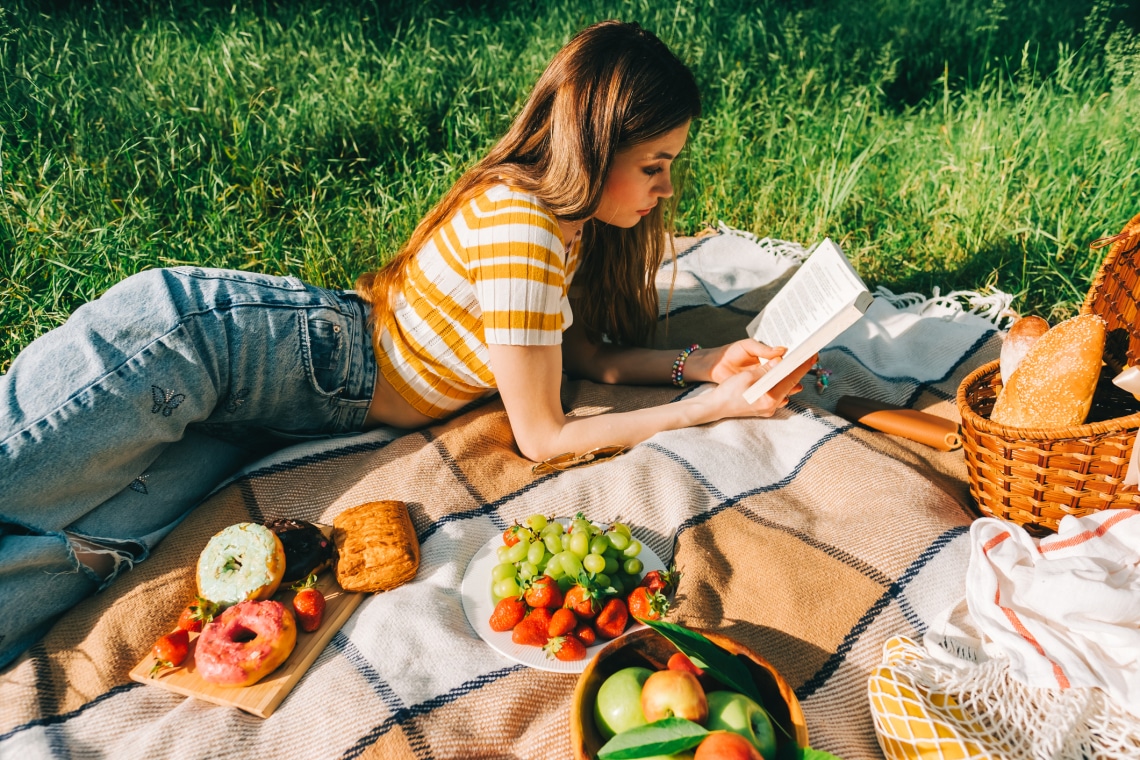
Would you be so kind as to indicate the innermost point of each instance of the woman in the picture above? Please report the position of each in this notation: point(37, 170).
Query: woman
point(115, 424)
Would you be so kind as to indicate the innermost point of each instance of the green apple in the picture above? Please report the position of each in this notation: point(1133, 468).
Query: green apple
point(740, 714)
point(617, 707)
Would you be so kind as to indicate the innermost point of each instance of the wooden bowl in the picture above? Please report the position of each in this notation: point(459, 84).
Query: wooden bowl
point(648, 649)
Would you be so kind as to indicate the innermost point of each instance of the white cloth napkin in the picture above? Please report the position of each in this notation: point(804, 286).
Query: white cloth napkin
point(1064, 610)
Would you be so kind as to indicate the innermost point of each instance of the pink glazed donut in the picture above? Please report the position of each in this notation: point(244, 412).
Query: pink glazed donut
point(245, 643)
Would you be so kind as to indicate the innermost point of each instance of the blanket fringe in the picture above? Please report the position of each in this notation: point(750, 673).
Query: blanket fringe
point(783, 248)
point(994, 306)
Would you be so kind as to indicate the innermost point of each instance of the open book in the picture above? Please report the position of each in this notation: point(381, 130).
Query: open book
point(822, 299)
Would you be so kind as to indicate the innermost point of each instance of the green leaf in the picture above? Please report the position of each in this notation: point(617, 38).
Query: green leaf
point(718, 663)
point(662, 737)
point(817, 754)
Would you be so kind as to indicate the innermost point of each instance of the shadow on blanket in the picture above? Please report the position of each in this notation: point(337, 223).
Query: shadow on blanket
point(806, 539)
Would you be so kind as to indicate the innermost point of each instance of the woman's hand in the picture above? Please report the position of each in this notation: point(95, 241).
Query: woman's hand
point(735, 368)
point(727, 399)
point(719, 364)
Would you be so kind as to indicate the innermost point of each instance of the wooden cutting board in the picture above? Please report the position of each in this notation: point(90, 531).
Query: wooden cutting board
point(263, 697)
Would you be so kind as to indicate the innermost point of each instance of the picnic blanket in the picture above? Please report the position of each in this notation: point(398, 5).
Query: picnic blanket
point(808, 539)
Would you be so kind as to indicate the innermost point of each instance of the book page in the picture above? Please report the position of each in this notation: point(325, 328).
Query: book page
point(822, 299)
point(824, 284)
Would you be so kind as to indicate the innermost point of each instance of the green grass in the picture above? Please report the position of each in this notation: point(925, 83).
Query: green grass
point(955, 144)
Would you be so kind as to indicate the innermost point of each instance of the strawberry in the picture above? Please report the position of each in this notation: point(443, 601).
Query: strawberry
point(513, 534)
point(611, 620)
point(647, 605)
point(532, 630)
point(562, 622)
point(565, 648)
point(508, 613)
point(662, 581)
point(586, 634)
point(309, 604)
point(170, 650)
point(543, 591)
point(583, 598)
point(196, 615)
point(542, 613)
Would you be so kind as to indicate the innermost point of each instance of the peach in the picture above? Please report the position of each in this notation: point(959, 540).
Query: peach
point(725, 745)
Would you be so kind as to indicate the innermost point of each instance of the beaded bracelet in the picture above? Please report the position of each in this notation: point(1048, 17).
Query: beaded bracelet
point(678, 373)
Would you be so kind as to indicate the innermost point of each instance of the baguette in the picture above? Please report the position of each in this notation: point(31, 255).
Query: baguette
point(1021, 336)
point(1053, 385)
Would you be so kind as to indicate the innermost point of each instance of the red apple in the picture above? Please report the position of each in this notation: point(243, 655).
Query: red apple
point(674, 693)
point(725, 745)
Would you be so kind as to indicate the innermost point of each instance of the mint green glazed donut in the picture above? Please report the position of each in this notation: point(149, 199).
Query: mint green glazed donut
point(244, 561)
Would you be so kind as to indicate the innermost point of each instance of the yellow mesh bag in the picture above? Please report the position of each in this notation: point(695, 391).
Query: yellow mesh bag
point(924, 708)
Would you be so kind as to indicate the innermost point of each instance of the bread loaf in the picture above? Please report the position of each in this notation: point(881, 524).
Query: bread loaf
point(377, 548)
point(1023, 334)
point(1053, 385)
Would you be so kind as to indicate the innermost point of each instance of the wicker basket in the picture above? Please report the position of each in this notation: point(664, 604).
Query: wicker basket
point(1034, 477)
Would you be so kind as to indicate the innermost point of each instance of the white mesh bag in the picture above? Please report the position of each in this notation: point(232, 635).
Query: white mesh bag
point(926, 708)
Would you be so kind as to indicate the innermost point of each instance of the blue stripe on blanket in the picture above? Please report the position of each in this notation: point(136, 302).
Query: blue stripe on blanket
point(893, 379)
point(407, 713)
point(322, 456)
point(64, 717)
point(344, 645)
point(894, 591)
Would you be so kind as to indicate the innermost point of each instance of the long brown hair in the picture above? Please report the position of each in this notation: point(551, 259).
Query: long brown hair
point(612, 86)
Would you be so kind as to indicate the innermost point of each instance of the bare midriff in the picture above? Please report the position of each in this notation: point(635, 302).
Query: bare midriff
point(390, 408)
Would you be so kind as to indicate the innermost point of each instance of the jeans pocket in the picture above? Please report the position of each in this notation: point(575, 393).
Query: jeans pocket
point(324, 341)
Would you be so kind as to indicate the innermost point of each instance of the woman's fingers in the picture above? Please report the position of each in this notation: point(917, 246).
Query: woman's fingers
point(791, 384)
point(736, 384)
point(760, 350)
point(777, 398)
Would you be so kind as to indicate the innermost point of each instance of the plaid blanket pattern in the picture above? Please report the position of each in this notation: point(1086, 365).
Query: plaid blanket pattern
point(808, 539)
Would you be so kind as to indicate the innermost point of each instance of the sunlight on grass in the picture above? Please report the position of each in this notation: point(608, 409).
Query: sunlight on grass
point(968, 145)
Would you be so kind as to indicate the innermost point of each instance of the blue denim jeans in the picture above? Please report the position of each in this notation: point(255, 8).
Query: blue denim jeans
point(116, 424)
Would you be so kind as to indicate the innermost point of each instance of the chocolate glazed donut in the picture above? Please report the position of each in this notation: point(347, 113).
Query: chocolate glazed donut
point(306, 548)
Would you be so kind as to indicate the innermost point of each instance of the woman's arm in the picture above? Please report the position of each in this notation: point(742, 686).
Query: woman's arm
point(529, 379)
point(619, 365)
point(614, 365)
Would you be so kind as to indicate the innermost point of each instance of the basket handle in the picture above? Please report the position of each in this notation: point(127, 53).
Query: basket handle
point(1106, 241)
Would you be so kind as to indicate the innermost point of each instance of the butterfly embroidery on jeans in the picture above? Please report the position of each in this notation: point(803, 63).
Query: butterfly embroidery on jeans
point(165, 401)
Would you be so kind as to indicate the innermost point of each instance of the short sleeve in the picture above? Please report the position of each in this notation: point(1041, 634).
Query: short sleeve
point(517, 266)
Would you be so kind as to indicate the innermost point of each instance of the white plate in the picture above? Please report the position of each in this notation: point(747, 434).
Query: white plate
point(478, 606)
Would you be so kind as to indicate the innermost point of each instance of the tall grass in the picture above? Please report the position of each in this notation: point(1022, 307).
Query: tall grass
point(962, 144)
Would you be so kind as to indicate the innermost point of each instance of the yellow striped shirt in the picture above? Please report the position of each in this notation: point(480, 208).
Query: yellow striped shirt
point(497, 272)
